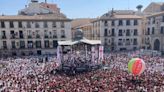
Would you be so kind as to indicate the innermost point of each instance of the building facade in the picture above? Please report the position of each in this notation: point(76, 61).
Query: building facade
point(154, 7)
point(120, 30)
point(154, 39)
point(33, 33)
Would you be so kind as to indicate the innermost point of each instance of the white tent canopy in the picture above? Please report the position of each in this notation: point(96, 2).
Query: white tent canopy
point(68, 43)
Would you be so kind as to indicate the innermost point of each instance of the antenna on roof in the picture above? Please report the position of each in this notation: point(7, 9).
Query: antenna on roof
point(112, 12)
point(128, 4)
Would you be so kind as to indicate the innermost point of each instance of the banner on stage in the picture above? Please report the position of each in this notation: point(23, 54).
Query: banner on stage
point(101, 52)
point(93, 53)
point(59, 55)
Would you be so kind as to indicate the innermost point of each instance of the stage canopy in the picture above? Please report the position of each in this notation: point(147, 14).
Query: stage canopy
point(69, 43)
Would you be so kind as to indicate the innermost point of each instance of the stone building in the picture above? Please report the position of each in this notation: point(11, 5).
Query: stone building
point(35, 31)
point(119, 30)
point(154, 38)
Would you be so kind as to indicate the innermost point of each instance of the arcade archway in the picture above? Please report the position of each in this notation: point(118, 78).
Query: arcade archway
point(157, 45)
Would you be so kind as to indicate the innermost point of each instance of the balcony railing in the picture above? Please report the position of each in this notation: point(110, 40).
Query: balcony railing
point(46, 36)
point(63, 36)
point(3, 37)
point(4, 47)
point(13, 37)
point(54, 36)
point(29, 36)
point(21, 36)
point(37, 36)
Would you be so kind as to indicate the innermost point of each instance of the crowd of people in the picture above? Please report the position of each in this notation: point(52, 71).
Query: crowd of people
point(29, 75)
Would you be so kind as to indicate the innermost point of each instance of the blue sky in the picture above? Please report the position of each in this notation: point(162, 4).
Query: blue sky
point(77, 8)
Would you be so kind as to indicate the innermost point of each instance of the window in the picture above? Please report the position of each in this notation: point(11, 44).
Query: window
point(135, 32)
point(2, 24)
point(55, 44)
point(4, 45)
point(37, 34)
point(22, 44)
point(62, 34)
point(45, 24)
point(113, 23)
point(113, 34)
point(127, 41)
point(135, 42)
point(30, 44)
point(20, 24)
point(148, 31)
point(54, 34)
point(21, 34)
point(153, 30)
point(38, 44)
point(127, 32)
point(46, 44)
point(153, 20)
point(105, 23)
point(162, 30)
point(28, 25)
point(120, 23)
point(62, 24)
point(135, 22)
point(162, 18)
point(3, 34)
point(12, 34)
point(105, 43)
point(37, 25)
point(13, 44)
point(11, 24)
point(120, 33)
point(29, 33)
point(45, 34)
point(106, 32)
point(120, 42)
point(127, 22)
point(54, 24)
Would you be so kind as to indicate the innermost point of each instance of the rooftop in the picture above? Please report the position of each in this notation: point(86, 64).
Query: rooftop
point(120, 14)
point(35, 17)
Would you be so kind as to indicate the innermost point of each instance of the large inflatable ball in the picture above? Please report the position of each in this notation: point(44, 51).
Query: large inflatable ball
point(136, 66)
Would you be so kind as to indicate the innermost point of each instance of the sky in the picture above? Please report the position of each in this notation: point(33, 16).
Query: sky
point(77, 8)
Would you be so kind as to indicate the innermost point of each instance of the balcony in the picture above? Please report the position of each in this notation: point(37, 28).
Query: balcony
point(62, 26)
point(120, 44)
point(113, 44)
point(63, 36)
point(38, 36)
point(106, 24)
point(4, 47)
point(21, 36)
point(22, 47)
point(112, 34)
point(46, 36)
point(29, 36)
point(12, 37)
point(13, 47)
point(105, 35)
point(54, 36)
point(3, 37)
